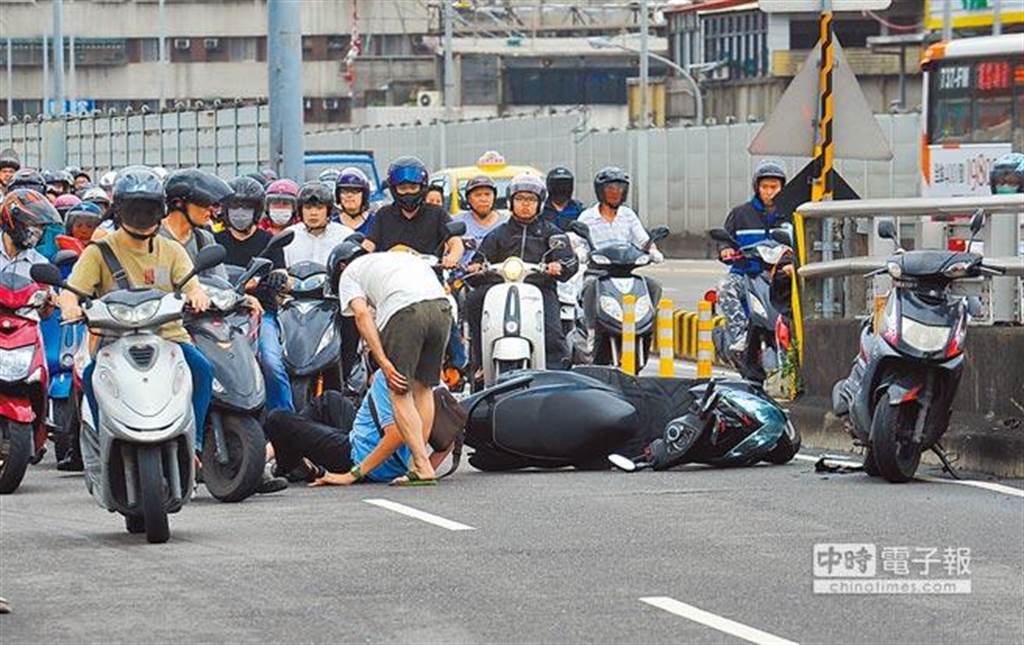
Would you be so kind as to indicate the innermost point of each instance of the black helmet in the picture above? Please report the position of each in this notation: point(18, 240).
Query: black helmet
point(245, 207)
point(560, 183)
point(59, 177)
point(314, 193)
point(352, 177)
point(768, 168)
point(9, 159)
point(24, 214)
point(77, 172)
point(611, 175)
point(259, 178)
point(138, 199)
point(340, 257)
point(480, 181)
point(85, 213)
point(408, 170)
point(194, 186)
point(28, 178)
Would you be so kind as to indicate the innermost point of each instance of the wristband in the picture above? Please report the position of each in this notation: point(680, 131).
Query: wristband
point(357, 473)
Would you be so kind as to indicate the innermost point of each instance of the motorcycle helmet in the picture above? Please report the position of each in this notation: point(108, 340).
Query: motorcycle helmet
point(353, 177)
point(768, 168)
point(77, 172)
point(269, 175)
point(245, 206)
point(314, 193)
point(280, 192)
point(525, 183)
point(107, 181)
point(329, 177)
point(28, 178)
point(408, 170)
point(24, 215)
point(139, 199)
point(341, 256)
point(85, 213)
point(611, 175)
point(560, 183)
point(66, 202)
point(194, 186)
point(1006, 172)
point(9, 159)
point(98, 196)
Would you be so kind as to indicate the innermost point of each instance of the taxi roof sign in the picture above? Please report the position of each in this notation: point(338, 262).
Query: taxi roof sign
point(817, 6)
point(491, 159)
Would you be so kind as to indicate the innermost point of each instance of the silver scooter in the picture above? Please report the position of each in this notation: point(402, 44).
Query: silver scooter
point(140, 456)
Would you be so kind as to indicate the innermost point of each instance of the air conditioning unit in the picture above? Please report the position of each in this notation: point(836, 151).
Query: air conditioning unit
point(308, 104)
point(182, 44)
point(428, 98)
point(211, 44)
point(332, 104)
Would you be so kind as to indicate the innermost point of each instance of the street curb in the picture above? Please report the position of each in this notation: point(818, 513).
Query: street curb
point(986, 445)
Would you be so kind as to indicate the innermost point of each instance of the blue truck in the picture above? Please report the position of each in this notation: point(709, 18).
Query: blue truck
point(317, 162)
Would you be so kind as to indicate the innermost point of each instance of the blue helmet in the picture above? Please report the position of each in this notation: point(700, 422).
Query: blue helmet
point(1007, 170)
point(408, 170)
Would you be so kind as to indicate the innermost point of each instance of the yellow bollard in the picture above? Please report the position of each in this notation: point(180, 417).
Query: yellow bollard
point(666, 363)
point(705, 346)
point(629, 334)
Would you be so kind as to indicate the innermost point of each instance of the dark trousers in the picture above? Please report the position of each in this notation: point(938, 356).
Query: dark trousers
point(318, 433)
point(555, 349)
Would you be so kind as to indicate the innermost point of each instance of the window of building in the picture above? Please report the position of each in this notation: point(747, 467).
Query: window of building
point(739, 41)
point(241, 49)
point(149, 50)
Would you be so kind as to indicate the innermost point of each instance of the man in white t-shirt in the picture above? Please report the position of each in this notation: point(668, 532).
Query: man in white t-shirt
point(406, 331)
point(315, 235)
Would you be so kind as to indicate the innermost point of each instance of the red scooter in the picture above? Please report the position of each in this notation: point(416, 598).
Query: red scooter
point(24, 380)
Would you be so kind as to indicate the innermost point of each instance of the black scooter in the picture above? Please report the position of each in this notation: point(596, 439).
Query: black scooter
point(768, 305)
point(310, 321)
point(899, 394)
point(614, 266)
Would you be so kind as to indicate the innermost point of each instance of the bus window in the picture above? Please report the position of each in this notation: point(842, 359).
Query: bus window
point(951, 121)
point(993, 119)
point(1018, 128)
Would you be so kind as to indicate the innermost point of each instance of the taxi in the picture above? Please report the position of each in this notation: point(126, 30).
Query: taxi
point(492, 164)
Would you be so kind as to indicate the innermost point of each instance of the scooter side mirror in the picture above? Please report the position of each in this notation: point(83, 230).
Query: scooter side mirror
point(782, 236)
point(258, 267)
point(66, 256)
point(208, 258)
point(279, 241)
point(887, 230)
point(456, 229)
point(581, 229)
point(558, 242)
point(46, 273)
point(977, 221)
point(723, 236)
point(658, 234)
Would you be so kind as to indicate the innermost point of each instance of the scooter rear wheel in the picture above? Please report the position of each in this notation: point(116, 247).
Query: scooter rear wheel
point(151, 488)
point(16, 444)
point(240, 477)
point(897, 459)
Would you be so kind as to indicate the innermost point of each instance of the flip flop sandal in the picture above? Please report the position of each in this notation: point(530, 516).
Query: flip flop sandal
point(410, 480)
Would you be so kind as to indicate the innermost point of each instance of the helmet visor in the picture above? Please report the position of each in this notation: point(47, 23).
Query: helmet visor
point(140, 214)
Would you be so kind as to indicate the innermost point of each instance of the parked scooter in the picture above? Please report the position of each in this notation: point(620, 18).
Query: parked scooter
point(233, 451)
point(512, 327)
point(24, 378)
point(139, 455)
point(899, 394)
point(768, 306)
point(615, 265)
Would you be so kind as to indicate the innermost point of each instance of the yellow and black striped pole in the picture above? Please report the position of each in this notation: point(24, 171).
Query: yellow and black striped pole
point(629, 334)
point(824, 152)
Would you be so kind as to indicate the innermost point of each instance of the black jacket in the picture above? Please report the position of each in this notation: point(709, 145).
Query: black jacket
point(529, 243)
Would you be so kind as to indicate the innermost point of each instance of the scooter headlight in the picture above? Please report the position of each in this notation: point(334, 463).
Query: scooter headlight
point(602, 260)
point(611, 306)
point(223, 299)
point(326, 339)
point(643, 307)
point(894, 269)
point(134, 315)
point(643, 260)
point(758, 307)
point(957, 270)
point(772, 254)
point(927, 338)
point(14, 363)
point(513, 269)
point(311, 283)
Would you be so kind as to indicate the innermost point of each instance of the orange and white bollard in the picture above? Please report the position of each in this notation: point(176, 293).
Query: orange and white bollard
point(666, 358)
point(629, 334)
point(705, 346)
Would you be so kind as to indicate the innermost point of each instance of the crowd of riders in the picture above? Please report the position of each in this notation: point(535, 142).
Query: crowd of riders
point(143, 226)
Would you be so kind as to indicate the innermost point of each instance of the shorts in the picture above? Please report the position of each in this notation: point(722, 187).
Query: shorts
point(415, 340)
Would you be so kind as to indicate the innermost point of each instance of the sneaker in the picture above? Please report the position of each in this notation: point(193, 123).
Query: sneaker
point(271, 484)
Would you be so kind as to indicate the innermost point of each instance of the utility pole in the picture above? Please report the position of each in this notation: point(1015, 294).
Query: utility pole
point(10, 79)
point(284, 62)
point(161, 43)
point(46, 75)
point(72, 74)
point(997, 17)
point(449, 79)
point(643, 152)
point(58, 56)
point(947, 20)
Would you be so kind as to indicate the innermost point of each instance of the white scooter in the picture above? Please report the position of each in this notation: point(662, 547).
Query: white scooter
point(139, 459)
point(512, 327)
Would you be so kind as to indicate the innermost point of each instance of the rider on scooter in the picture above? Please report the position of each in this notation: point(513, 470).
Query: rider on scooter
point(560, 208)
point(194, 199)
point(1007, 174)
point(749, 223)
point(526, 236)
point(24, 217)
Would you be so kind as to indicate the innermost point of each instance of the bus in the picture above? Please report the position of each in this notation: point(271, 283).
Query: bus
point(973, 111)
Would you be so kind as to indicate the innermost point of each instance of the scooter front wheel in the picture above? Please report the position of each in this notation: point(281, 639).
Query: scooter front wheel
point(151, 489)
point(16, 444)
point(240, 476)
point(896, 457)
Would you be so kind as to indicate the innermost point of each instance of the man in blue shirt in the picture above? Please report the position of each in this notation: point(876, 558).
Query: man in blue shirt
point(332, 444)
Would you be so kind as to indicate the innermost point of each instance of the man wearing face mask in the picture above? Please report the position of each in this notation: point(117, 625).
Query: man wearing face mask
point(194, 198)
point(315, 235)
point(526, 236)
point(1007, 174)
